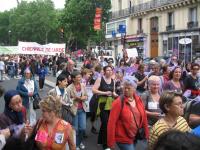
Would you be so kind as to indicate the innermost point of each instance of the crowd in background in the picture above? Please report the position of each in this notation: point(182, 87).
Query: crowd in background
point(138, 102)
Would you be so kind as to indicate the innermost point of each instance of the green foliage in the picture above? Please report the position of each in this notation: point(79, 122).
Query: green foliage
point(77, 20)
point(34, 21)
point(4, 30)
point(38, 21)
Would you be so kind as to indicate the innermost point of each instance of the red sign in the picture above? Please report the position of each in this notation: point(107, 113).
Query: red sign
point(97, 26)
point(97, 19)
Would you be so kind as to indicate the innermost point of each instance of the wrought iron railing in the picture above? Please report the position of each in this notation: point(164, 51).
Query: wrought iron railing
point(153, 4)
point(192, 24)
point(170, 27)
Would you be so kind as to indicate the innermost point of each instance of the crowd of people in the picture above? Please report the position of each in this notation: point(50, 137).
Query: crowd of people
point(138, 104)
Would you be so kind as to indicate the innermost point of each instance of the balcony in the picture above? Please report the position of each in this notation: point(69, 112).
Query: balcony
point(120, 14)
point(151, 5)
point(170, 27)
point(192, 24)
point(140, 31)
point(154, 29)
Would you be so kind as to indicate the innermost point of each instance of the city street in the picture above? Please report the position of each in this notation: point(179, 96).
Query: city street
point(90, 142)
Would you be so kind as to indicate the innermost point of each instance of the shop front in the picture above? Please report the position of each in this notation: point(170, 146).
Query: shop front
point(138, 42)
point(172, 46)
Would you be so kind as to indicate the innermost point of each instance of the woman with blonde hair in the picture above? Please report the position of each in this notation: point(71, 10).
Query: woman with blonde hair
point(151, 100)
point(52, 132)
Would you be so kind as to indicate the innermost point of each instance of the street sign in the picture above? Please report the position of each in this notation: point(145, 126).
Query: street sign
point(184, 41)
point(113, 34)
point(122, 28)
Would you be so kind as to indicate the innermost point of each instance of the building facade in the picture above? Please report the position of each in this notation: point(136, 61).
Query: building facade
point(156, 27)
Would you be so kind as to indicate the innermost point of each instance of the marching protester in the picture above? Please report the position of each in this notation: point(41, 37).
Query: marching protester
point(142, 78)
point(4, 133)
point(127, 118)
point(165, 73)
point(68, 70)
point(61, 91)
point(28, 90)
point(172, 106)
point(78, 94)
point(42, 72)
point(13, 117)
point(104, 87)
point(175, 83)
point(192, 81)
point(118, 81)
point(2, 68)
point(151, 100)
point(52, 132)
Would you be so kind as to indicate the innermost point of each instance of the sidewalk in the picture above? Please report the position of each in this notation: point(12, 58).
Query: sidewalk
point(49, 80)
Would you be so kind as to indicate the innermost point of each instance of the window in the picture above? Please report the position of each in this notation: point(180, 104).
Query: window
point(193, 14)
point(114, 26)
point(110, 28)
point(170, 19)
point(140, 25)
point(170, 41)
point(154, 24)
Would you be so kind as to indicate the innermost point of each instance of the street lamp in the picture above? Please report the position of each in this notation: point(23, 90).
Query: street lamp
point(9, 37)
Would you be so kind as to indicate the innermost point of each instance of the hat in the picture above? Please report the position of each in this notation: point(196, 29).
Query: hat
point(8, 96)
point(130, 80)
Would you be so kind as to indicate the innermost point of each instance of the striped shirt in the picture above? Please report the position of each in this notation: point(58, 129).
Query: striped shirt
point(161, 126)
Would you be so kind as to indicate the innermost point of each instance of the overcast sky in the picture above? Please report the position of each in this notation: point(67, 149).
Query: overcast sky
point(8, 4)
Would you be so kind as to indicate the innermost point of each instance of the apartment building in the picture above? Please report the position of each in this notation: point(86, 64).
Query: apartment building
point(156, 27)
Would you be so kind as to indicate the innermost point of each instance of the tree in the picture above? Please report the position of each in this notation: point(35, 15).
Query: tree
point(77, 20)
point(34, 21)
point(4, 30)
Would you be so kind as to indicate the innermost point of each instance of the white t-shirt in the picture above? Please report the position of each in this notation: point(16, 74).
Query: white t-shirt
point(29, 85)
point(2, 65)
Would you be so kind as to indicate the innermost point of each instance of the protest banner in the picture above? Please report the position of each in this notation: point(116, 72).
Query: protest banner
point(35, 48)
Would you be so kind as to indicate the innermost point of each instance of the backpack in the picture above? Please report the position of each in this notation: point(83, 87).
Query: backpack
point(187, 109)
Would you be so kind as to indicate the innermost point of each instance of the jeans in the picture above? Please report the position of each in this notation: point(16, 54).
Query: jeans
point(79, 123)
point(123, 146)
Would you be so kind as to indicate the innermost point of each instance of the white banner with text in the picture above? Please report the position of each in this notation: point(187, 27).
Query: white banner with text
point(35, 48)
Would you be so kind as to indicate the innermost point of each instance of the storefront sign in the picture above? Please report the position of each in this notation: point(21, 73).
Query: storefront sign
point(185, 41)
